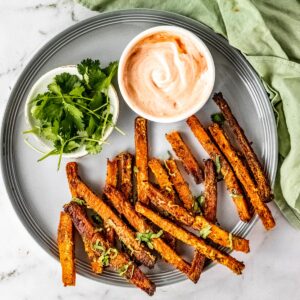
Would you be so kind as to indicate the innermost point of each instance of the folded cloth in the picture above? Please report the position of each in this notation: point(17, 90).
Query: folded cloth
point(267, 32)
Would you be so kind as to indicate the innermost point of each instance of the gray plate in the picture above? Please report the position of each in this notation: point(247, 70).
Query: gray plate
point(38, 191)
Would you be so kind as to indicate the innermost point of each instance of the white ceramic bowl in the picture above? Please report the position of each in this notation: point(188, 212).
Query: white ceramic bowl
point(41, 87)
point(204, 51)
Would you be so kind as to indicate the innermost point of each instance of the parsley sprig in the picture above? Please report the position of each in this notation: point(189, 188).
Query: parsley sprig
point(75, 111)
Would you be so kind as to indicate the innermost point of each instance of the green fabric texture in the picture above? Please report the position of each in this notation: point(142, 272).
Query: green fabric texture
point(267, 32)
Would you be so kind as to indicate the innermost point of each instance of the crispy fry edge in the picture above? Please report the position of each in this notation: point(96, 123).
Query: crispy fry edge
point(243, 175)
point(125, 208)
point(226, 170)
point(256, 168)
point(141, 157)
point(216, 234)
point(65, 241)
point(184, 153)
point(190, 239)
point(181, 186)
point(126, 235)
point(117, 259)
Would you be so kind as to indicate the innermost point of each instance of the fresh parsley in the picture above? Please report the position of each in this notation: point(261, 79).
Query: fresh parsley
point(147, 237)
point(75, 111)
point(123, 270)
point(205, 231)
point(198, 204)
point(79, 201)
point(218, 118)
point(97, 246)
point(218, 164)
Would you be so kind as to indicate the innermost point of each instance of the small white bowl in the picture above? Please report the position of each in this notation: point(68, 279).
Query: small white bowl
point(40, 87)
point(202, 48)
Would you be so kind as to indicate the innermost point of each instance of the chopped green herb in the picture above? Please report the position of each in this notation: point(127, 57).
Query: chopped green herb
point(78, 201)
point(97, 246)
point(201, 200)
point(123, 270)
point(75, 111)
point(168, 189)
point(169, 171)
point(218, 118)
point(196, 207)
point(105, 255)
point(218, 164)
point(135, 169)
point(198, 204)
point(205, 231)
point(147, 237)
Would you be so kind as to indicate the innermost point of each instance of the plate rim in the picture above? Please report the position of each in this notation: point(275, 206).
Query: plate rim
point(137, 12)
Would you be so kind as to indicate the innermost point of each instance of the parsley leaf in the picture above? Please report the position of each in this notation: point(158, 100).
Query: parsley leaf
point(106, 255)
point(205, 231)
point(218, 118)
point(198, 204)
point(79, 201)
point(124, 269)
point(147, 237)
point(75, 110)
point(218, 164)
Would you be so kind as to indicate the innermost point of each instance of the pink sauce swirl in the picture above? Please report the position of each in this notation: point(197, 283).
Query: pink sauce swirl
point(165, 74)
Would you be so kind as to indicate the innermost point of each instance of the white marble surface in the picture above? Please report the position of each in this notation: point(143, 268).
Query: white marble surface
point(27, 272)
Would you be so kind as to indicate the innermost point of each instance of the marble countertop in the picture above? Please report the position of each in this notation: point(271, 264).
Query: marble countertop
point(27, 272)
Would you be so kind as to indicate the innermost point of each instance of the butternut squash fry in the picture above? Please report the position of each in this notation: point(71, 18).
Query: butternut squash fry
point(126, 235)
point(190, 239)
point(111, 179)
point(225, 169)
point(162, 178)
point(141, 157)
point(214, 233)
point(181, 186)
point(210, 191)
point(125, 208)
point(65, 241)
point(209, 211)
point(96, 265)
point(243, 175)
point(105, 251)
point(256, 168)
point(126, 186)
point(185, 155)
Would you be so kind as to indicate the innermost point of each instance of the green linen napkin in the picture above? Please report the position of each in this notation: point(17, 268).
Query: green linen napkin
point(267, 32)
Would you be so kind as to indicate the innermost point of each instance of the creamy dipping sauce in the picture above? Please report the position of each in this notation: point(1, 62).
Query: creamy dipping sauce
point(165, 74)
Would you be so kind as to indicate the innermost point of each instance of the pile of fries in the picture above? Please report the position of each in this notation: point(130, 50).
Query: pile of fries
point(135, 221)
